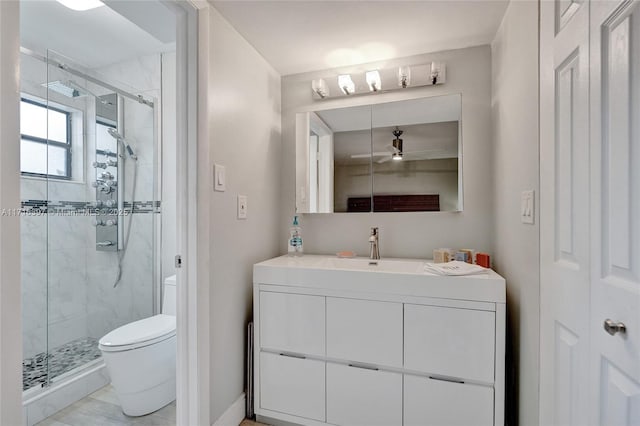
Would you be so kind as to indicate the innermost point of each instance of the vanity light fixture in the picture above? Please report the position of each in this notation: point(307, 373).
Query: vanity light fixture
point(373, 80)
point(393, 78)
point(346, 84)
point(320, 88)
point(81, 5)
point(404, 76)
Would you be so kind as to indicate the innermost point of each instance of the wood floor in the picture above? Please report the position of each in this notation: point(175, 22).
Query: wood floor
point(101, 408)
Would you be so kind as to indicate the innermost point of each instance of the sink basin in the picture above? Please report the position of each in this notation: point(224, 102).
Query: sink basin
point(388, 276)
point(380, 265)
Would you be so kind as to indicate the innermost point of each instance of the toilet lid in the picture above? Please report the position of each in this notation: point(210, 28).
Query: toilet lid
point(147, 330)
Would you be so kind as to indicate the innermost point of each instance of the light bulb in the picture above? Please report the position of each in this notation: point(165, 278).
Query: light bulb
point(373, 80)
point(404, 76)
point(346, 84)
point(320, 88)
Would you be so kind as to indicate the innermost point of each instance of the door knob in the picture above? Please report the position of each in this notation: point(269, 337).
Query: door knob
point(613, 327)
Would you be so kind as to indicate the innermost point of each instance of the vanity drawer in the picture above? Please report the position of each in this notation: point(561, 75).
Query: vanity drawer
point(292, 385)
point(364, 331)
point(450, 342)
point(436, 402)
point(292, 323)
point(358, 396)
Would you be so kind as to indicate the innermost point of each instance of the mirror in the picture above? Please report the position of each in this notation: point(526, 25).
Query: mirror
point(390, 157)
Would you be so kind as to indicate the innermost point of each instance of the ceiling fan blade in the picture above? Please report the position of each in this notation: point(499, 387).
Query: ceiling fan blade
point(384, 160)
point(373, 154)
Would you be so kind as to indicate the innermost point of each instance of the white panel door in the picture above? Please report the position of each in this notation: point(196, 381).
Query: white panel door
point(292, 323)
point(564, 212)
point(615, 209)
point(436, 402)
point(363, 397)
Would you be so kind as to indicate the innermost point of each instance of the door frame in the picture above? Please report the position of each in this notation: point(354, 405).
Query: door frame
point(193, 242)
point(193, 390)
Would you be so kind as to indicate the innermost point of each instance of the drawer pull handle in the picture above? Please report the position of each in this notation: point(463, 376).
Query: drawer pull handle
point(446, 379)
point(366, 367)
point(293, 355)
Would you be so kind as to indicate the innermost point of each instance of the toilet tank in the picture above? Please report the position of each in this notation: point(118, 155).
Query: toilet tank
point(169, 296)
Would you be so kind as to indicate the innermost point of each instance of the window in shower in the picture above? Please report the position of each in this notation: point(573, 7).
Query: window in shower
point(45, 140)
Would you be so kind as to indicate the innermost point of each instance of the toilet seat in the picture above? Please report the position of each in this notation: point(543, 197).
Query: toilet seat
point(139, 333)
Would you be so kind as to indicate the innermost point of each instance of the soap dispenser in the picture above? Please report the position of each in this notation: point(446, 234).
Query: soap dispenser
point(294, 243)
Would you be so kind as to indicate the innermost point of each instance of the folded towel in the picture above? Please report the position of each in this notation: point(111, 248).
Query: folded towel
point(454, 268)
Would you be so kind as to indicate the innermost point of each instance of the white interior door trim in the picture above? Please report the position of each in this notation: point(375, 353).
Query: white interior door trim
point(193, 359)
point(10, 307)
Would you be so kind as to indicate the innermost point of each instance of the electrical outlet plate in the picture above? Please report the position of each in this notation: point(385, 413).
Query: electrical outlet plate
point(527, 207)
point(242, 206)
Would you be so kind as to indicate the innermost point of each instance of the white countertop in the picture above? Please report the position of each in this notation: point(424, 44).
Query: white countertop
point(389, 276)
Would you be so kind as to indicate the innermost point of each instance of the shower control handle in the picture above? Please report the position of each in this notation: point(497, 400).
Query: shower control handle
point(112, 163)
point(99, 165)
point(106, 176)
point(105, 243)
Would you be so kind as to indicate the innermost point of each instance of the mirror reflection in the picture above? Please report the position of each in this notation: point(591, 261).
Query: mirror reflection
point(392, 157)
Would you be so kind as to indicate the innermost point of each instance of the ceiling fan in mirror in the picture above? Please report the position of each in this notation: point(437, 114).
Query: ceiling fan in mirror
point(394, 151)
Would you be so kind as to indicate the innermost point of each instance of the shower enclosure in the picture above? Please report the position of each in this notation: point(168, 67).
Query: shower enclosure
point(90, 212)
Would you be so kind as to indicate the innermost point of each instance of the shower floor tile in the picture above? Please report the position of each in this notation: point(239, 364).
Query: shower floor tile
point(58, 361)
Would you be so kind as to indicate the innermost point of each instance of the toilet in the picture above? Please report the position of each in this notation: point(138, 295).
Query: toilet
point(141, 358)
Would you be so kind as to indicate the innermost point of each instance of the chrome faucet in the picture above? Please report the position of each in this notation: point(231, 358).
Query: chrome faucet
point(374, 252)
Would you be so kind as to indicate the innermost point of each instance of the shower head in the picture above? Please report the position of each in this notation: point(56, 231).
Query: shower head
point(65, 88)
point(71, 89)
point(117, 136)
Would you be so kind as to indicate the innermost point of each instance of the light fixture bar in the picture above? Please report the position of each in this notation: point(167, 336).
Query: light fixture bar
point(394, 78)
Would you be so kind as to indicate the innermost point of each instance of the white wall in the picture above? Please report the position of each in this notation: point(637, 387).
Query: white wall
point(244, 120)
point(515, 164)
point(10, 322)
point(402, 234)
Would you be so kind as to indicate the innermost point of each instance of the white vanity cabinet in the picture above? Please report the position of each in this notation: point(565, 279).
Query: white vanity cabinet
point(353, 344)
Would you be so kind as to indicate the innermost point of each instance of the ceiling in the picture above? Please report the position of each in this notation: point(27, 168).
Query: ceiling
point(297, 36)
point(95, 38)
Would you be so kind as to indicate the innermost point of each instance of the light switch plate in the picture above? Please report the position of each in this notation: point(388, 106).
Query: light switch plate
point(242, 206)
point(219, 178)
point(527, 207)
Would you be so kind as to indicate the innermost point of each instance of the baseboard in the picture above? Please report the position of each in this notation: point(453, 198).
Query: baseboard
point(234, 414)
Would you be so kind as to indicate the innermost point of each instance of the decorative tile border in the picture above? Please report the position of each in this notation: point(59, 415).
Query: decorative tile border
point(36, 370)
point(71, 208)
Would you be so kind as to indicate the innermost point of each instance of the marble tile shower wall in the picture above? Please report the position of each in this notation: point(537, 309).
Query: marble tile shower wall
point(132, 298)
point(68, 290)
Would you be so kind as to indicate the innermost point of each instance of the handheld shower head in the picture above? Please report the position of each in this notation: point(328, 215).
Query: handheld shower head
point(117, 136)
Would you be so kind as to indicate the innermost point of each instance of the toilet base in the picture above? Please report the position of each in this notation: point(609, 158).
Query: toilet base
point(147, 401)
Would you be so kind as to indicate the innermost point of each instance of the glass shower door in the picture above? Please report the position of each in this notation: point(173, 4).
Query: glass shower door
point(69, 219)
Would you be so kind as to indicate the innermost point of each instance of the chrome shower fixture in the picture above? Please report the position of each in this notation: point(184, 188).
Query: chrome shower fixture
point(117, 136)
point(71, 89)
